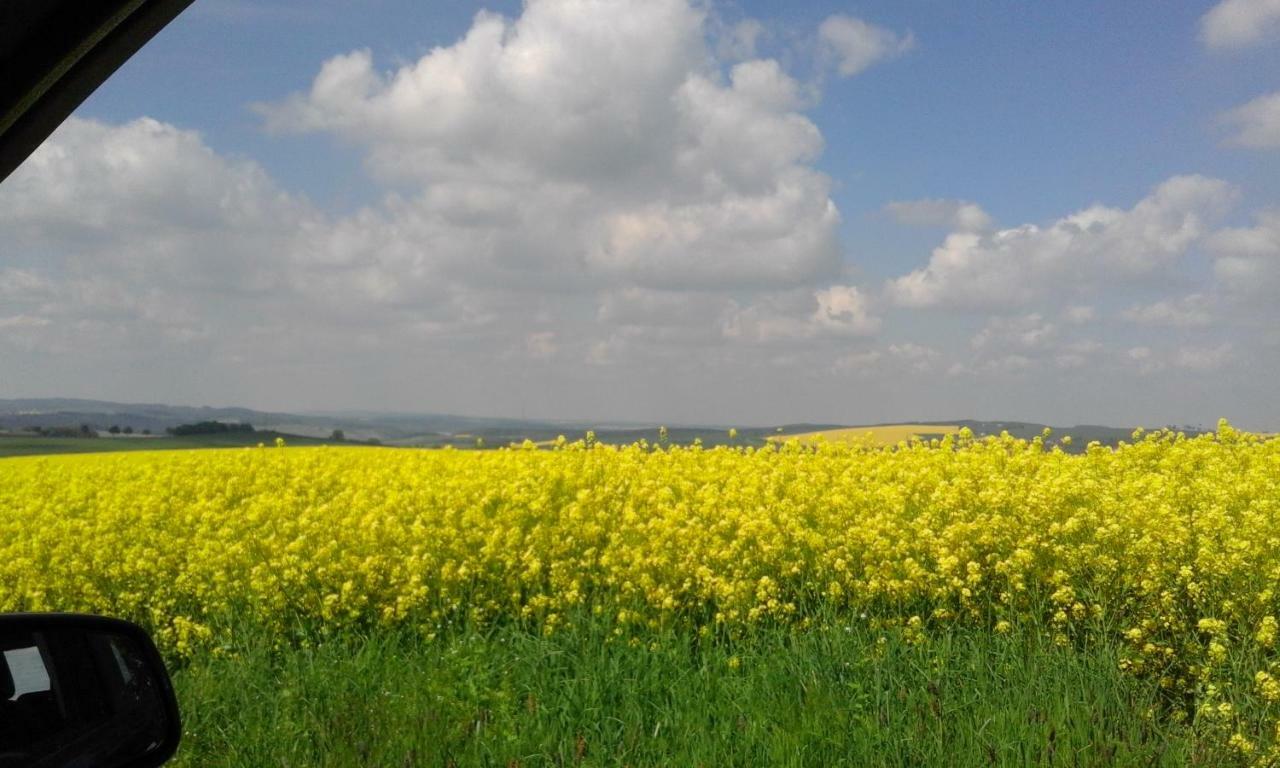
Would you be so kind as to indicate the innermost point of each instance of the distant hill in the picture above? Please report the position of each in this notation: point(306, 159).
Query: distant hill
point(434, 429)
point(890, 433)
point(21, 444)
point(391, 428)
point(99, 414)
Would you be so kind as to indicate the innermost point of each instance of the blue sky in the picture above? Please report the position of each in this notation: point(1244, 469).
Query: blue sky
point(1030, 108)
point(633, 294)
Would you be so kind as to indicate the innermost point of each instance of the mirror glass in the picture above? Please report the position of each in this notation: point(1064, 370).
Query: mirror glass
point(79, 696)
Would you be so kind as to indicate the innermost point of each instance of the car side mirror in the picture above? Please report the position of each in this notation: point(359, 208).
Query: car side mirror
point(83, 692)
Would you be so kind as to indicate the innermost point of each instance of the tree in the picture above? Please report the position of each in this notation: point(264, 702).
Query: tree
point(337, 436)
point(114, 429)
point(209, 428)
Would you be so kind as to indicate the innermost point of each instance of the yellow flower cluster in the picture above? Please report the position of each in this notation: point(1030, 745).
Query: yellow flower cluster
point(1171, 544)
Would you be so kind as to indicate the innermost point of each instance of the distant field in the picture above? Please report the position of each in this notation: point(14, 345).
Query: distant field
point(881, 434)
point(34, 445)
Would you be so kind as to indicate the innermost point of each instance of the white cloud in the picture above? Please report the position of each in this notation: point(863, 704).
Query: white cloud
point(1247, 259)
point(934, 212)
point(1079, 314)
point(1196, 358)
point(1240, 23)
point(839, 311)
point(1027, 332)
point(1193, 310)
point(136, 237)
point(138, 234)
point(1098, 245)
point(844, 310)
point(862, 362)
point(587, 159)
point(1200, 358)
point(22, 321)
point(739, 41)
point(1008, 364)
point(609, 119)
point(24, 286)
point(854, 45)
point(643, 307)
point(541, 345)
point(918, 357)
point(1076, 354)
point(895, 360)
point(153, 203)
point(1255, 124)
point(1144, 359)
point(598, 181)
point(998, 366)
point(1023, 343)
point(734, 242)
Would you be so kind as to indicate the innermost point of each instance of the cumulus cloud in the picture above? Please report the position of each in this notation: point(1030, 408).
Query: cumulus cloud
point(844, 310)
point(587, 181)
point(541, 345)
point(621, 183)
point(594, 143)
point(1025, 332)
point(22, 321)
point(1256, 124)
point(1100, 244)
point(24, 285)
point(953, 214)
point(1247, 259)
point(738, 41)
point(636, 306)
point(894, 360)
point(862, 362)
point(839, 311)
point(1188, 311)
point(1235, 24)
point(1144, 359)
point(918, 357)
point(139, 233)
point(1195, 358)
point(609, 119)
point(1076, 354)
point(151, 201)
point(1202, 358)
point(853, 45)
point(1079, 314)
point(997, 366)
point(1018, 344)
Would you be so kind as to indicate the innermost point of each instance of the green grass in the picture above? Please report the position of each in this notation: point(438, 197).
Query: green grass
point(823, 697)
point(34, 445)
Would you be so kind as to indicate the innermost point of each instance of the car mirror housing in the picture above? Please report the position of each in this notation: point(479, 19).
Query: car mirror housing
point(83, 691)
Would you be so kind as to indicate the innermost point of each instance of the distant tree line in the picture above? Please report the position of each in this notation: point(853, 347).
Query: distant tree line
point(209, 428)
point(181, 430)
point(84, 430)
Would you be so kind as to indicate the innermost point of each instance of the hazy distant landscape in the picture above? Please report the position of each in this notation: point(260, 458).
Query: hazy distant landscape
point(149, 424)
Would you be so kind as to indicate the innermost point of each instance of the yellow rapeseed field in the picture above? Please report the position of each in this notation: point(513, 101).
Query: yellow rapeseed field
point(1168, 544)
point(883, 434)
